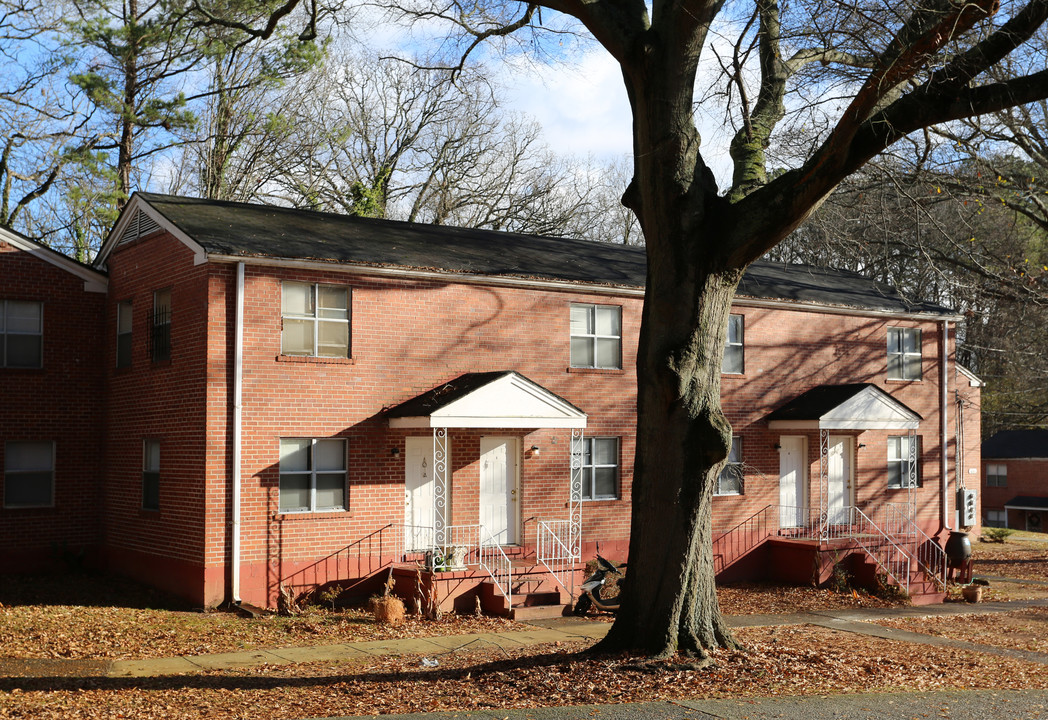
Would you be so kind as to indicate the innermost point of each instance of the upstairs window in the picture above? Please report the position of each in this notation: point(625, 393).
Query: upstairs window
point(596, 336)
point(729, 482)
point(123, 334)
point(315, 320)
point(29, 474)
point(904, 469)
point(151, 475)
point(21, 334)
point(904, 354)
point(312, 475)
point(997, 476)
point(161, 324)
point(600, 468)
point(733, 348)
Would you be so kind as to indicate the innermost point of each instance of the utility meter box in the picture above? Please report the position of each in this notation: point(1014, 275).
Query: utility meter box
point(966, 507)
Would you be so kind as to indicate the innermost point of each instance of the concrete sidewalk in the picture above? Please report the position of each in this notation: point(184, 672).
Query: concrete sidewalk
point(943, 705)
point(569, 629)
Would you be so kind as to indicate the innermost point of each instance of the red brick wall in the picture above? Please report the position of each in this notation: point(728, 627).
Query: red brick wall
point(1026, 476)
point(60, 402)
point(162, 401)
point(408, 336)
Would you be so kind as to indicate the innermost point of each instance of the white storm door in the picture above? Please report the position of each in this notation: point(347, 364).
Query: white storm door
point(793, 460)
point(419, 507)
point(498, 488)
point(839, 480)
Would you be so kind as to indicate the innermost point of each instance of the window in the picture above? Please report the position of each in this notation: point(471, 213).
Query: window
point(600, 468)
point(123, 334)
point(312, 475)
point(996, 518)
point(733, 352)
point(596, 336)
point(900, 457)
point(997, 476)
point(161, 324)
point(904, 354)
point(315, 320)
point(29, 474)
point(151, 475)
point(730, 480)
point(21, 334)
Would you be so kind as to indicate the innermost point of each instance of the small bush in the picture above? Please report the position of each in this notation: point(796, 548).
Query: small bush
point(995, 535)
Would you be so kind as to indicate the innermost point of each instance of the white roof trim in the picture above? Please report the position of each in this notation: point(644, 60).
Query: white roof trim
point(973, 379)
point(129, 215)
point(869, 409)
point(94, 281)
point(1024, 507)
point(511, 401)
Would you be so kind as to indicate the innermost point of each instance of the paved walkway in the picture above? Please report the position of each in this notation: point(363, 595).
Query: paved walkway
point(860, 621)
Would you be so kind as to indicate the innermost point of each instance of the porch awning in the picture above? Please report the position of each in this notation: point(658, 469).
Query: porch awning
point(859, 406)
point(487, 400)
point(1027, 502)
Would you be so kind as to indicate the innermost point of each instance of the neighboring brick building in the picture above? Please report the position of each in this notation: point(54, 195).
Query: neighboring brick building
point(1015, 480)
point(293, 398)
point(52, 414)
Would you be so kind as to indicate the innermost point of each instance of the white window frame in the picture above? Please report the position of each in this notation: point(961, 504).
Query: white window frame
point(732, 471)
point(735, 348)
point(900, 361)
point(6, 332)
point(996, 518)
point(317, 319)
point(996, 475)
point(589, 470)
point(311, 473)
point(150, 473)
point(594, 338)
point(124, 310)
point(8, 473)
point(901, 460)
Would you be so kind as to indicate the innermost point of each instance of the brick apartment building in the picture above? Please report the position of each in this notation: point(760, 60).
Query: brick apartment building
point(239, 398)
point(1015, 480)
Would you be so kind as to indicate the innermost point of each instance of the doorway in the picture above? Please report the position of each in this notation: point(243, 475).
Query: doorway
point(498, 488)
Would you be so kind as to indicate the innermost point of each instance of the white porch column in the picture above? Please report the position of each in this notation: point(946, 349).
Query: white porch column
point(575, 495)
point(440, 483)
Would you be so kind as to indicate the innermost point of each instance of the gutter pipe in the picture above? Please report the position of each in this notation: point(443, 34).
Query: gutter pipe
point(238, 393)
point(943, 426)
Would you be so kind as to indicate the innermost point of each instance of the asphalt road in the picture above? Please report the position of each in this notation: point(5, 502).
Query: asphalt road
point(946, 705)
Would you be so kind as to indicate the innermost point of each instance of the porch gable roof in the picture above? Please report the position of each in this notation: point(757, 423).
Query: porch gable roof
point(857, 406)
point(503, 399)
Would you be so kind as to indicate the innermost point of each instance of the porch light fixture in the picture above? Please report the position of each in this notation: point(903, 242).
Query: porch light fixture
point(776, 446)
point(862, 445)
point(536, 451)
point(395, 452)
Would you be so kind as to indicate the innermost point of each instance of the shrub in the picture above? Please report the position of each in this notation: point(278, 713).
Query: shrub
point(996, 535)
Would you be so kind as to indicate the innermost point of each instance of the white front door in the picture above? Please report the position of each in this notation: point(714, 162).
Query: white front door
point(839, 479)
point(498, 488)
point(793, 500)
point(419, 506)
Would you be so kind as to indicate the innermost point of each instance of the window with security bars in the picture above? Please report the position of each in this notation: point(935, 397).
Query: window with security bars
point(730, 480)
point(160, 322)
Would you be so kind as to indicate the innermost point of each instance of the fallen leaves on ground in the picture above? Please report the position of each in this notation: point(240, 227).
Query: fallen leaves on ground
point(1020, 630)
point(795, 660)
point(1015, 558)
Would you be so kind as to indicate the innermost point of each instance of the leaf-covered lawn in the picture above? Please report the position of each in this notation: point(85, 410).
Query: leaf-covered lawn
point(1020, 630)
point(1019, 557)
point(780, 661)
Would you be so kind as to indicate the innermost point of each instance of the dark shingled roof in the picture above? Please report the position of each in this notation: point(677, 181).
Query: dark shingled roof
point(244, 230)
point(816, 402)
point(443, 395)
point(1017, 444)
point(1028, 501)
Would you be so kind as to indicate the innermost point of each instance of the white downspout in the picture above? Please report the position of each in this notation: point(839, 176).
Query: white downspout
point(943, 426)
point(238, 393)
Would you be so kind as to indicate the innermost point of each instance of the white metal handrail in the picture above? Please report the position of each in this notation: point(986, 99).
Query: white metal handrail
point(498, 566)
point(930, 556)
point(554, 554)
point(890, 557)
